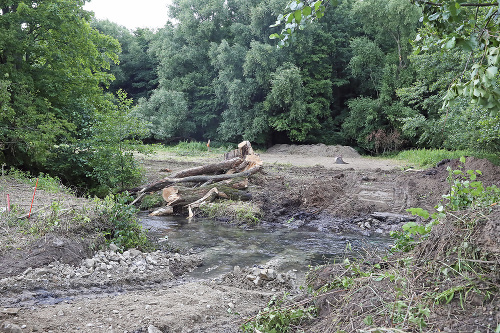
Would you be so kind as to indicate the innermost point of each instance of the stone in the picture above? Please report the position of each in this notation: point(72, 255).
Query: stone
point(267, 274)
point(237, 269)
point(43, 271)
point(134, 253)
point(89, 263)
point(8, 327)
point(58, 242)
point(150, 260)
point(10, 311)
point(113, 247)
point(153, 329)
point(126, 255)
point(251, 277)
point(257, 281)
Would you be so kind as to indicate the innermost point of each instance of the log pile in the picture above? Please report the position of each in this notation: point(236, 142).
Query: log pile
point(190, 188)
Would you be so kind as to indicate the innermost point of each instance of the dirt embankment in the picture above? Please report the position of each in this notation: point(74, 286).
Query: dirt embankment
point(136, 292)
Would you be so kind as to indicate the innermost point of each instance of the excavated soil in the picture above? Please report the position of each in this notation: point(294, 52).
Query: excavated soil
point(59, 284)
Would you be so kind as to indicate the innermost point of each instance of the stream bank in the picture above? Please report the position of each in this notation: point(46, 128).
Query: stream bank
point(169, 301)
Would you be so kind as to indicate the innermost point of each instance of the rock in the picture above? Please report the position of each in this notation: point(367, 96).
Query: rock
point(43, 271)
point(153, 329)
point(267, 274)
point(135, 253)
point(257, 281)
point(58, 242)
point(8, 327)
point(150, 260)
point(251, 277)
point(339, 160)
point(10, 311)
point(237, 270)
point(367, 225)
point(89, 263)
point(126, 255)
point(113, 247)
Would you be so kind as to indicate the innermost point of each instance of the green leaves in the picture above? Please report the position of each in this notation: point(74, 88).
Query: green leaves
point(473, 28)
point(300, 14)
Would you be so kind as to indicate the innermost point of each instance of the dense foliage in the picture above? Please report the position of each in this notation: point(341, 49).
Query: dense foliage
point(55, 115)
point(369, 74)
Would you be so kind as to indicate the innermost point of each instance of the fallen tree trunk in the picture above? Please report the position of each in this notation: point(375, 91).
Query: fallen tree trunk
point(181, 196)
point(197, 179)
point(163, 211)
point(220, 167)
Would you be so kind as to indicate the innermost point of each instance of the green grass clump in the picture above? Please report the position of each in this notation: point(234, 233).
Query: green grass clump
point(151, 200)
point(45, 182)
point(278, 318)
point(237, 211)
point(121, 225)
point(194, 148)
point(425, 158)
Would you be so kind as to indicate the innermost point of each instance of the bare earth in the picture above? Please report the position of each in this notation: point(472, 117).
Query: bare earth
point(110, 295)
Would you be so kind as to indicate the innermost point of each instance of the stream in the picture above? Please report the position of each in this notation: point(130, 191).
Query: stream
point(224, 246)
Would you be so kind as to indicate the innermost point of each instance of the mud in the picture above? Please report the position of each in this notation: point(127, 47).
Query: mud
point(50, 285)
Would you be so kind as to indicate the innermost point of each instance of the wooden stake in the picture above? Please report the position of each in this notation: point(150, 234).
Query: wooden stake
point(33, 198)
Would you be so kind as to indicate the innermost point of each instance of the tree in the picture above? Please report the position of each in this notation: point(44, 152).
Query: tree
point(472, 27)
point(52, 64)
point(166, 114)
point(55, 116)
point(136, 71)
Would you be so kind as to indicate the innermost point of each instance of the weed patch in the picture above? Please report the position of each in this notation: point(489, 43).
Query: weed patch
point(239, 212)
point(278, 318)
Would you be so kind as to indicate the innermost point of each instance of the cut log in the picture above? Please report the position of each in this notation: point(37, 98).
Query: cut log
point(244, 149)
point(250, 161)
point(182, 196)
point(209, 197)
point(220, 167)
point(166, 210)
point(199, 179)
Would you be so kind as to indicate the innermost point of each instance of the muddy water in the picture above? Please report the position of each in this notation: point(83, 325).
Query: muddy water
point(224, 246)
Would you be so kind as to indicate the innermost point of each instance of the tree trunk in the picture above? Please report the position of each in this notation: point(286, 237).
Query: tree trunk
point(200, 179)
point(220, 167)
point(182, 196)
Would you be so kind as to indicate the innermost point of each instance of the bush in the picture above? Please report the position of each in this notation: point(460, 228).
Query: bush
point(122, 227)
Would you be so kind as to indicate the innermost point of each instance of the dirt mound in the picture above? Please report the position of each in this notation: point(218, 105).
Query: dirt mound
point(44, 251)
point(314, 150)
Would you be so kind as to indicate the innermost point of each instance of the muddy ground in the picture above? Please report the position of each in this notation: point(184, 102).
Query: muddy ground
point(59, 284)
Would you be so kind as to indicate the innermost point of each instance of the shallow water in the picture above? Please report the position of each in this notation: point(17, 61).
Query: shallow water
point(224, 246)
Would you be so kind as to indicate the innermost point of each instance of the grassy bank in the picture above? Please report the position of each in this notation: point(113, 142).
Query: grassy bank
point(425, 158)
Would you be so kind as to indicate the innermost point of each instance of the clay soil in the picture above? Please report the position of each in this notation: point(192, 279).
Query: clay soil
point(46, 284)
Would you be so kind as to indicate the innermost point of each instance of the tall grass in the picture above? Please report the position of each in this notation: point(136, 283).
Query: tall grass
point(429, 157)
point(45, 182)
point(194, 148)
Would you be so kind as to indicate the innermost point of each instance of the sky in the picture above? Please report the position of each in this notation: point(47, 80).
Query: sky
point(131, 13)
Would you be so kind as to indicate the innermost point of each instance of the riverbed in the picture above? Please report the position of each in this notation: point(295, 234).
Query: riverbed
point(224, 246)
